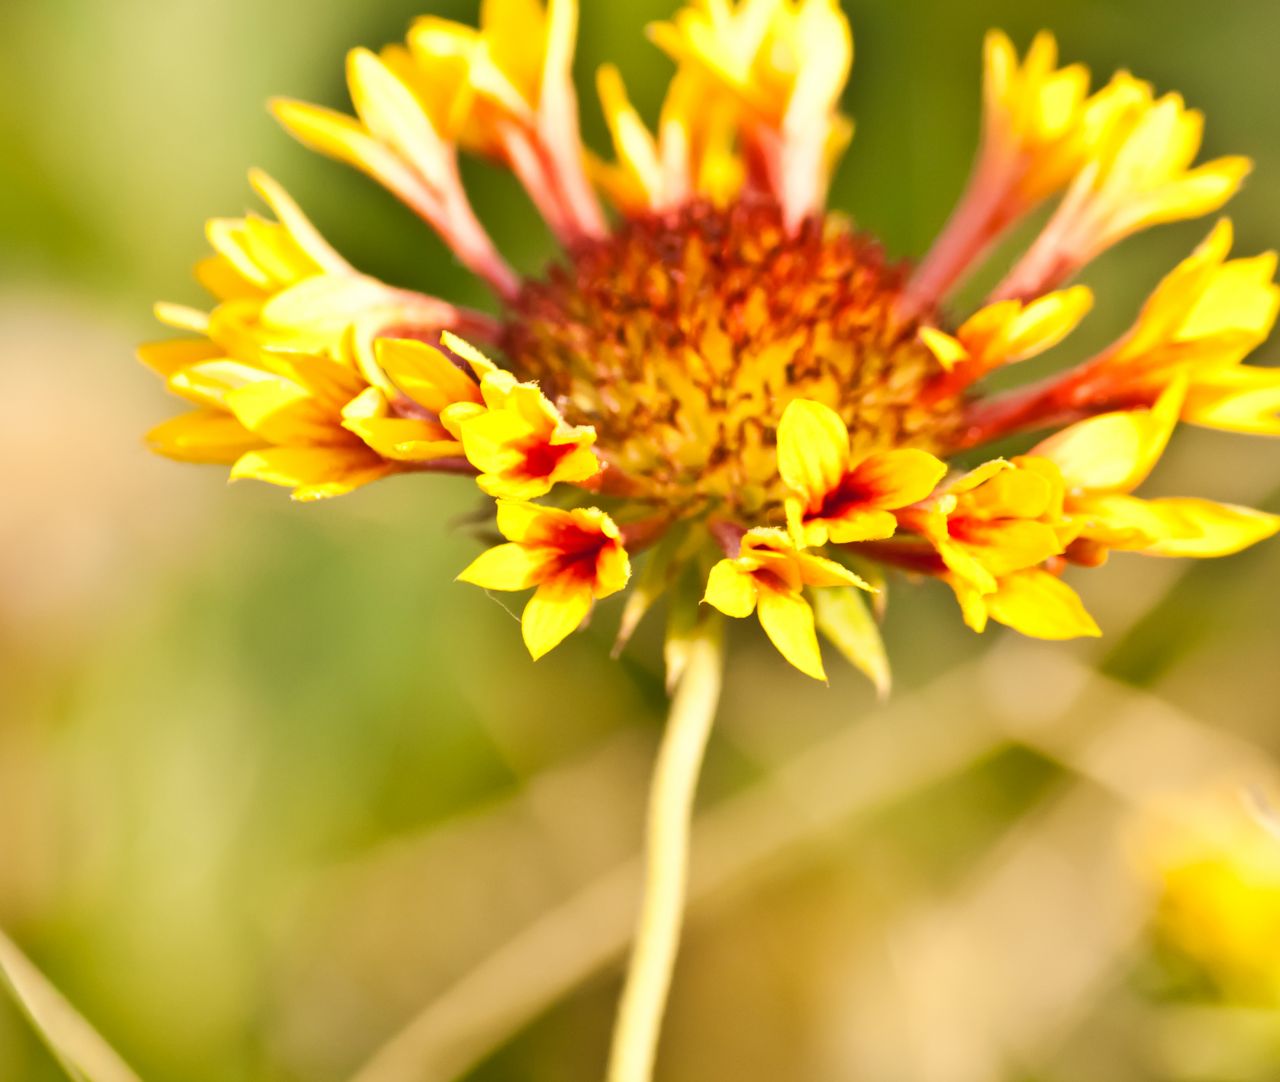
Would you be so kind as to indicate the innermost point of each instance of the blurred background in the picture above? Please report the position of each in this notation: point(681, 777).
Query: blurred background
point(274, 790)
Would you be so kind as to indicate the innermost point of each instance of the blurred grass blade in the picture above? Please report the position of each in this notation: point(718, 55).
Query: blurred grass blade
point(75, 1044)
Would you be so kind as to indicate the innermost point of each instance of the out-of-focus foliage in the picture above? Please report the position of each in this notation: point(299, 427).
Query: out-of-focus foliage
point(270, 782)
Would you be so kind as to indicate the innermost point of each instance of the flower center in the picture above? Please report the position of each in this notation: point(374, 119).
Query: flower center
point(682, 337)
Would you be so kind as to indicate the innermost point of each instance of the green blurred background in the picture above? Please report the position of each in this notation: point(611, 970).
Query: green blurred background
point(271, 783)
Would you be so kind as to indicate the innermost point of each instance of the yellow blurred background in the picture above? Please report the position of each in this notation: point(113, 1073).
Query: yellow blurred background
point(273, 788)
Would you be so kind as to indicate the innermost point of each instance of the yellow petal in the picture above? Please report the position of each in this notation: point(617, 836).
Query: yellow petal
point(300, 228)
point(1118, 521)
point(979, 475)
point(1243, 399)
point(166, 358)
point(326, 304)
point(1196, 193)
point(480, 364)
point(1010, 545)
point(315, 472)
point(205, 436)
point(973, 602)
point(182, 318)
point(402, 439)
point(1238, 296)
point(851, 527)
point(844, 618)
point(1115, 452)
point(788, 621)
point(819, 571)
point(281, 411)
point(209, 382)
point(966, 567)
point(425, 374)
point(1216, 529)
point(898, 478)
point(1042, 606)
point(948, 351)
point(613, 571)
point(391, 113)
point(506, 567)
point(813, 448)
point(519, 521)
point(1045, 322)
point(555, 611)
point(731, 590)
point(327, 131)
point(635, 146)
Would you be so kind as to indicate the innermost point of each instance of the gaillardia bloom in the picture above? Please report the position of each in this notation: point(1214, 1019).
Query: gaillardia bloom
point(717, 377)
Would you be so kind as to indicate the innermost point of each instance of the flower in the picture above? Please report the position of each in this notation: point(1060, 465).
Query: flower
point(1102, 460)
point(774, 414)
point(572, 557)
point(835, 498)
point(768, 576)
point(1203, 319)
point(1213, 857)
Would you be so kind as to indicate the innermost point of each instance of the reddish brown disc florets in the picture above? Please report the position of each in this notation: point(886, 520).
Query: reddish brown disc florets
point(683, 336)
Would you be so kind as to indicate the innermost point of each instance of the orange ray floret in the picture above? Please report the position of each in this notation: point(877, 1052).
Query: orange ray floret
point(516, 438)
point(768, 576)
point(1000, 518)
point(786, 62)
point(1207, 315)
point(1033, 602)
point(1103, 459)
point(836, 497)
point(572, 557)
point(1139, 175)
point(1008, 332)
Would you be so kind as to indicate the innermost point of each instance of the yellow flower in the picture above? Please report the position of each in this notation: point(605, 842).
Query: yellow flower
point(1032, 601)
point(787, 62)
point(1034, 115)
point(516, 439)
point(506, 90)
point(1007, 332)
point(1202, 320)
point(279, 421)
point(394, 141)
point(1101, 462)
point(1214, 859)
point(725, 357)
point(768, 576)
point(1041, 127)
point(1139, 175)
point(837, 498)
point(694, 153)
point(429, 388)
point(1000, 518)
point(572, 557)
point(279, 285)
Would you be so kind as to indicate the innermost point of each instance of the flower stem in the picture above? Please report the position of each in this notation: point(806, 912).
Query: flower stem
point(675, 780)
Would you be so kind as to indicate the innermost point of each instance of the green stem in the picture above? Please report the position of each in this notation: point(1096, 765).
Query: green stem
point(671, 797)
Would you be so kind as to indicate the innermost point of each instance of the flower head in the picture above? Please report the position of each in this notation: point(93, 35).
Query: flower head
point(572, 557)
point(835, 497)
point(769, 576)
point(1214, 860)
point(760, 398)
